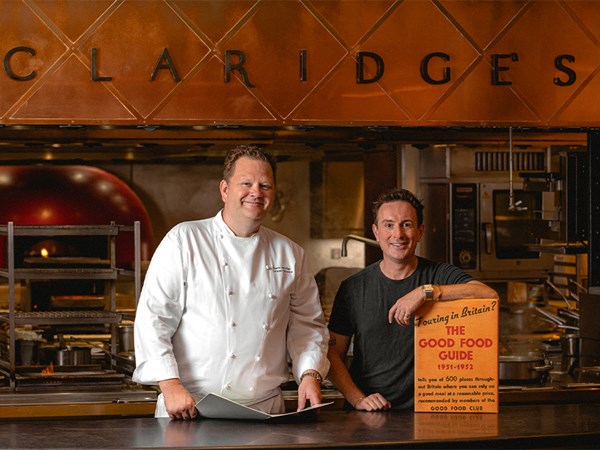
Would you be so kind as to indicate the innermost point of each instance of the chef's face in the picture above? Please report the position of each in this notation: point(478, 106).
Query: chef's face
point(397, 231)
point(250, 192)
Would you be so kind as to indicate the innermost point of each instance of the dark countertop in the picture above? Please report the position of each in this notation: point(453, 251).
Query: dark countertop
point(516, 426)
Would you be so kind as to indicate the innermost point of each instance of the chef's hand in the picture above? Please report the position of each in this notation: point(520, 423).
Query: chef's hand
point(179, 402)
point(405, 307)
point(373, 402)
point(309, 389)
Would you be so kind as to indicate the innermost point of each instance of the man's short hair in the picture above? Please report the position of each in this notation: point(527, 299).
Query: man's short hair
point(396, 194)
point(249, 151)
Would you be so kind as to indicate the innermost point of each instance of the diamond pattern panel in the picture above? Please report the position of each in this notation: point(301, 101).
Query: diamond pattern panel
point(273, 46)
point(588, 15)
point(402, 41)
point(352, 19)
point(342, 100)
point(54, 101)
point(584, 108)
point(20, 27)
point(130, 57)
point(197, 99)
point(215, 19)
point(483, 21)
point(476, 102)
point(73, 17)
point(534, 73)
point(130, 36)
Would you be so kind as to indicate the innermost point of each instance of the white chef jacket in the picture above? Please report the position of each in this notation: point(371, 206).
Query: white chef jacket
point(216, 311)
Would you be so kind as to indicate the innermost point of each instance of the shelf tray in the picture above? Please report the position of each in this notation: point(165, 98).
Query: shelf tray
point(62, 230)
point(565, 248)
point(63, 317)
point(62, 274)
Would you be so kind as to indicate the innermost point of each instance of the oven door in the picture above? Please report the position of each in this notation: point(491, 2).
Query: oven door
point(507, 231)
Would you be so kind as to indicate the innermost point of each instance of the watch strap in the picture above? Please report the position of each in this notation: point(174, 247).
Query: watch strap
point(313, 374)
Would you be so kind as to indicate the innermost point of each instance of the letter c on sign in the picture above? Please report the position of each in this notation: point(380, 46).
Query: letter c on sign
point(8, 69)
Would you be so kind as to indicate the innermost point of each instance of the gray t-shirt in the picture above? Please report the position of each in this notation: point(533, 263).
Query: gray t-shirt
point(383, 358)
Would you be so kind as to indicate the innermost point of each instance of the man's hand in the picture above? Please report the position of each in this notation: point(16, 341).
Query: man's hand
point(373, 402)
point(179, 402)
point(309, 389)
point(406, 306)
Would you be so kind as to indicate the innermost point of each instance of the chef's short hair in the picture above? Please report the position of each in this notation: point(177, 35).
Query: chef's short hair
point(395, 194)
point(249, 151)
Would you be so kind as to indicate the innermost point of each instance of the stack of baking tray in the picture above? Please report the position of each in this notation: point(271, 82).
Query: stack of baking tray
point(67, 379)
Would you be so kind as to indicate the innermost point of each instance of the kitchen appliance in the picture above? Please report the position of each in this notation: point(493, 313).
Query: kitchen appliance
point(493, 240)
point(490, 208)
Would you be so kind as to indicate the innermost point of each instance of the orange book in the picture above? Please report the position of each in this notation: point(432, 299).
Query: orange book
point(456, 356)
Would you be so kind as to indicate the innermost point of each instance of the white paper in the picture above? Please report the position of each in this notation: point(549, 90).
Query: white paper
point(213, 406)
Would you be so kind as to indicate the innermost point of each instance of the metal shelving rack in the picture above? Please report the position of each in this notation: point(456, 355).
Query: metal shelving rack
point(110, 274)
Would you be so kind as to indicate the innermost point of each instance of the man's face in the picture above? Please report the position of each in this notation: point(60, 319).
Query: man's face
point(250, 191)
point(397, 232)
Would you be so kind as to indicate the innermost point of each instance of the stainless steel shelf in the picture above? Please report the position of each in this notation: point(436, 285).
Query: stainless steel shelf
point(101, 267)
point(564, 248)
point(62, 274)
point(63, 317)
point(63, 230)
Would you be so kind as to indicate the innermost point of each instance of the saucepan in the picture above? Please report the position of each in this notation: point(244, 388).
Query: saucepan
point(66, 355)
point(73, 356)
point(529, 368)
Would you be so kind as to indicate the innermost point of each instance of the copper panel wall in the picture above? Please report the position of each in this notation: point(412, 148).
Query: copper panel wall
point(47, 45)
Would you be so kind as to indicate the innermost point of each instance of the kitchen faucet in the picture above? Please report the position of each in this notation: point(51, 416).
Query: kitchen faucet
point(354, 237)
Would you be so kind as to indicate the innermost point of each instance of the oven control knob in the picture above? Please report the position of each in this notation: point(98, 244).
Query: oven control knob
point(465, 257)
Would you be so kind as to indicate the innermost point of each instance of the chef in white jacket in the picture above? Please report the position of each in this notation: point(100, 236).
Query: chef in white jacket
point(226, 300)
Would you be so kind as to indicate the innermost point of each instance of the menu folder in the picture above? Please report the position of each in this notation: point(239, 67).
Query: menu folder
point(213, 406)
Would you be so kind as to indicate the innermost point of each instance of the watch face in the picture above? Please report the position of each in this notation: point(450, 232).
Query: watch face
point(428, 289)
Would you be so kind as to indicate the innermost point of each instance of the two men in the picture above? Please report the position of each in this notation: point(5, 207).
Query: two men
point(225, 300)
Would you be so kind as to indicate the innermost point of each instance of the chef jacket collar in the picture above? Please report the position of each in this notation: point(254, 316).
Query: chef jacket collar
point(225, 228)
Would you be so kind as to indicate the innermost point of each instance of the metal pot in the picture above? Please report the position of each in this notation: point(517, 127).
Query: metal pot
point(72, 356)
point(531, 368)
point(126, 338)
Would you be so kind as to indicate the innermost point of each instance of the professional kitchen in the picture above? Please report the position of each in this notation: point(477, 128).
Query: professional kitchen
point(115, 119)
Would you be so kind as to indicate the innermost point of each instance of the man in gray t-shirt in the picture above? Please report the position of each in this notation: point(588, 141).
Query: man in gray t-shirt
point(376, 308)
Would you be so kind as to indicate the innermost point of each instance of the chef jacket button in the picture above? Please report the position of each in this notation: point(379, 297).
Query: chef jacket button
point(225, 264)
point(267, 267)
point(227, 386)
point(258, 358)
point(232, 356)
point(229, 292)
point(265, 326)
point(232, 324)
point(251, 388)
point(271, 296)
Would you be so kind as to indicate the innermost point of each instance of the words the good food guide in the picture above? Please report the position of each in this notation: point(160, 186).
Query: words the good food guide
point(456, 356)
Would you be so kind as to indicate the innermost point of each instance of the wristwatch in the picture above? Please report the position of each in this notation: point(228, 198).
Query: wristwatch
point(428, 291)
point(313, 374)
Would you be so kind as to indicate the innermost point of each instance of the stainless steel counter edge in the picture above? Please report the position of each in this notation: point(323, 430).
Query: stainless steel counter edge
point(515, 426)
